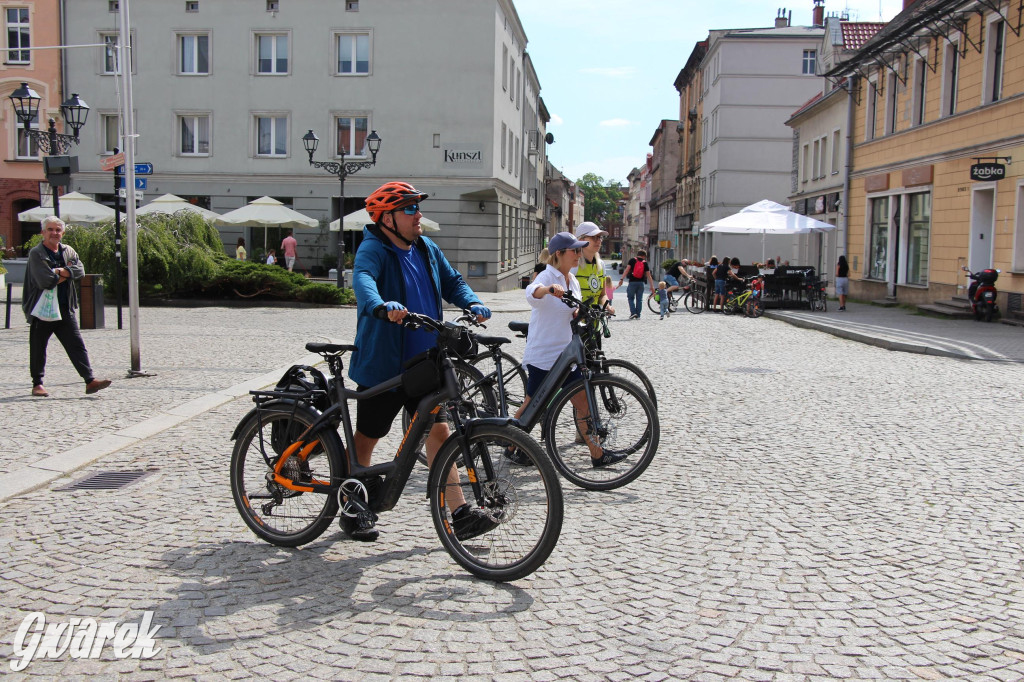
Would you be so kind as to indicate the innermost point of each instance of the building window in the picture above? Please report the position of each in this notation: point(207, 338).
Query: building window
point(194, 54)
point(18, 35)
point(824, 157)
point(816, 160)
point(920, 206)
point(113, 5)
point(351, 131)
point(27, 146)
point(272, 54)
point(510, 157)
point(1018, 238)
point(805, 164)
point(517, 156)
point(835, 152)
point(519, 77)
point(891, 104)
point(869, 122)
point(950, 77)
point(503, 129)
point(111, 133)
point(353, 53)
point(110, 56)
point(920, 82)
point(504, 67)
point(351, 5)
point(272, 136)
point(511, 74)
point(273, 5)
point(195, 135)
point(878, 256)
point(994, 59)
point(191, 5)
point(809, 61)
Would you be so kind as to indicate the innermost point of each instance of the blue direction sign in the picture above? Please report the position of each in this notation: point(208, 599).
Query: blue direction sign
point(140, 183)
point(140, 169)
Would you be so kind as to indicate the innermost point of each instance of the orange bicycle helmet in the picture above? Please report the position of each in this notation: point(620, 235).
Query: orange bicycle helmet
point(392, 196)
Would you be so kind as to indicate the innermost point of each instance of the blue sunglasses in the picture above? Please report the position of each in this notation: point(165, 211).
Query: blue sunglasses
point(411, 210)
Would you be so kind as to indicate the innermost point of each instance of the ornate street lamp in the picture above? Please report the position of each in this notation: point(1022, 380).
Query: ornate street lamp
point(342, 169)
point(56, 145)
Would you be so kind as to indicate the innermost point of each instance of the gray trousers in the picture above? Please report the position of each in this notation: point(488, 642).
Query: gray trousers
point(70, 337)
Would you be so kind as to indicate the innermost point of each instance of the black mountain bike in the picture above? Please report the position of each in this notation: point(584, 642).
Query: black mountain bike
point(291, 473)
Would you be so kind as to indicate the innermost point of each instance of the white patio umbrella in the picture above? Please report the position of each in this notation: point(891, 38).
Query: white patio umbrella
point(170, 204)
point(266, 212)
point(355, 221)
point(767, 217)
point(75, 208)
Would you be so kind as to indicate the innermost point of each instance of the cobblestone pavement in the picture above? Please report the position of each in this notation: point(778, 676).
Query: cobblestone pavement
point(819, 509)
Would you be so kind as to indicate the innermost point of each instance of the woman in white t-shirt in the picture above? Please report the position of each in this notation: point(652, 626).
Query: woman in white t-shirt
point(550, 332)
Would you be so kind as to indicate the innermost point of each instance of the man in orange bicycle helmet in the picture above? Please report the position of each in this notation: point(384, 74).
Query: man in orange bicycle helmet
point(398, 270)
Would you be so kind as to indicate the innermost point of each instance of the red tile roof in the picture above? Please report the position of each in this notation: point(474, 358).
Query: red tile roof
point(855, 34)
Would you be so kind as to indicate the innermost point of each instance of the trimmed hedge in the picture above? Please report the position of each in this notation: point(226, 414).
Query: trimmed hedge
point(182, 256)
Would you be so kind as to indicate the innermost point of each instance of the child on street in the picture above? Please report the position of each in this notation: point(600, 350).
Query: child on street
point(662, 297)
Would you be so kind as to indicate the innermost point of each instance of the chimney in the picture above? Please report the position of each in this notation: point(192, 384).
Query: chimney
point(818, 13)
point(780, 18)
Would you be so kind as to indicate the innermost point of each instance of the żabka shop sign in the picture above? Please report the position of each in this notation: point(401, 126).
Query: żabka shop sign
point(988, 171)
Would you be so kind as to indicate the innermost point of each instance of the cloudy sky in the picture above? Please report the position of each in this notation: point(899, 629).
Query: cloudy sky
point(606, 67)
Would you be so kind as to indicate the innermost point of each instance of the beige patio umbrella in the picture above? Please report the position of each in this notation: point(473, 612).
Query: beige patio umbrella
point(266, 212)
point(75, 208)
point(169, 204)
point(355, 221)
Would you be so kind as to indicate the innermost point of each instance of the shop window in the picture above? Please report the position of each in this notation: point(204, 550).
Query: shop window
point(878, 243)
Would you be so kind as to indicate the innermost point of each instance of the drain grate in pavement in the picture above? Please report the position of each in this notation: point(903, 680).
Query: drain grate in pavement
point(107, 480)
point(752, 370)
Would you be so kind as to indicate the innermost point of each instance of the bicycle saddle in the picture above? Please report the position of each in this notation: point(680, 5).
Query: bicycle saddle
point(329, 347)
point(491, 340)
point(520, 327)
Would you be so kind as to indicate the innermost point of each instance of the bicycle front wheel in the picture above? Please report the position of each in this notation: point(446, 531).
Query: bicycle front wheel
point(626, 423)
point(653, 306)
point(277, 514)
point(522, 502)
point(630, 372)
point(694, 303)
point(754, 307)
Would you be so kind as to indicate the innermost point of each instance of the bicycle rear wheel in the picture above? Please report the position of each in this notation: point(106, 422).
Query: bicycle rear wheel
point(524, 501)
point(628, 426)
point(513, 377)
point(277, 514)
point(630, 372)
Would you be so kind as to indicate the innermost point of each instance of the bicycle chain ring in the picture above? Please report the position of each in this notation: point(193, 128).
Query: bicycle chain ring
point(351, 488)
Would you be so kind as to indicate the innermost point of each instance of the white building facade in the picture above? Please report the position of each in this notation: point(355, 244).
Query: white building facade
point(225, 90)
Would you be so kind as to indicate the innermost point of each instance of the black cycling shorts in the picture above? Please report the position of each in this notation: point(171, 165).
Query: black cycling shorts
point(375, 415)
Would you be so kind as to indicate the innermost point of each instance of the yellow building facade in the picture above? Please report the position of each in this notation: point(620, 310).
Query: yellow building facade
point(938, 91)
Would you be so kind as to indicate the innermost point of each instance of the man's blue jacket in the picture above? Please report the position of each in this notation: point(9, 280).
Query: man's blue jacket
point(377, 279)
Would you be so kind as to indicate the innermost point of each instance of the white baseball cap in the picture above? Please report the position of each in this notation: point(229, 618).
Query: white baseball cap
point(589, 229)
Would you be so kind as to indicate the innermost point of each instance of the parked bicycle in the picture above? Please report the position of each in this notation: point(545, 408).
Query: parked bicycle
point(292, 474)
point(744, 300)
point(817, 297)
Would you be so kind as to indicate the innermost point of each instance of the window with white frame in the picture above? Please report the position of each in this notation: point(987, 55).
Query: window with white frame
point(111, 124)
point(835, 152)
point(503, 129)
point(353, 53)
point(27, 146)
point(512, 74)
point(194, 54)
point(704, 134)
point(191, 6)
point(824, 157)
point(918, 101)
point(271, 53)
point(870, 110)
point(950, 78)
point(805, 163)
point(815, 159)
point(994, 61)
point(919, 226)
point(113, 5)
point(271, 135)
point(878, 240)
point(110, 53)
point(19, 35)
point(891, 104)
point(504, 67)
point(510, 136)
point(351, 5)
point(808, 62)
point(351, 132)
point(519, 77)
point(517, 156)
point(194, 134)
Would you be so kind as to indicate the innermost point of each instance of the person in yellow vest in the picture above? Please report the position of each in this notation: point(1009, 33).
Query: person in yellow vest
point(590, 271)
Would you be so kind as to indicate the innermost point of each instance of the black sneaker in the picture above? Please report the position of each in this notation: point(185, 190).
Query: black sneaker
point(517, 456)
point(607, 459)
point(471, 521)
point(358, 528)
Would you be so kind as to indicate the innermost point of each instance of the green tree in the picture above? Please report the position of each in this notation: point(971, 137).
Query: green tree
point(600, 200)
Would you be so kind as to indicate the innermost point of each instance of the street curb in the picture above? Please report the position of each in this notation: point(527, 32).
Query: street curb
point(49, 469)
point(887, 344)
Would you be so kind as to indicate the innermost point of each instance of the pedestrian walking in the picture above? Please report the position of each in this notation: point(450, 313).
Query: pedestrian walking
point(636, 273)
point(240, 249)
point(842, 281)
point(50, 301)
point(288, 245)
point(663, 296)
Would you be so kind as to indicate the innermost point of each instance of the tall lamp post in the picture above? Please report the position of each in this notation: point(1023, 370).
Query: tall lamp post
point(57, 165)
point(342, 169)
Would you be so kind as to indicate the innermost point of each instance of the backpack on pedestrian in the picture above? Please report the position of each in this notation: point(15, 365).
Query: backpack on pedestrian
point(638, 269)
